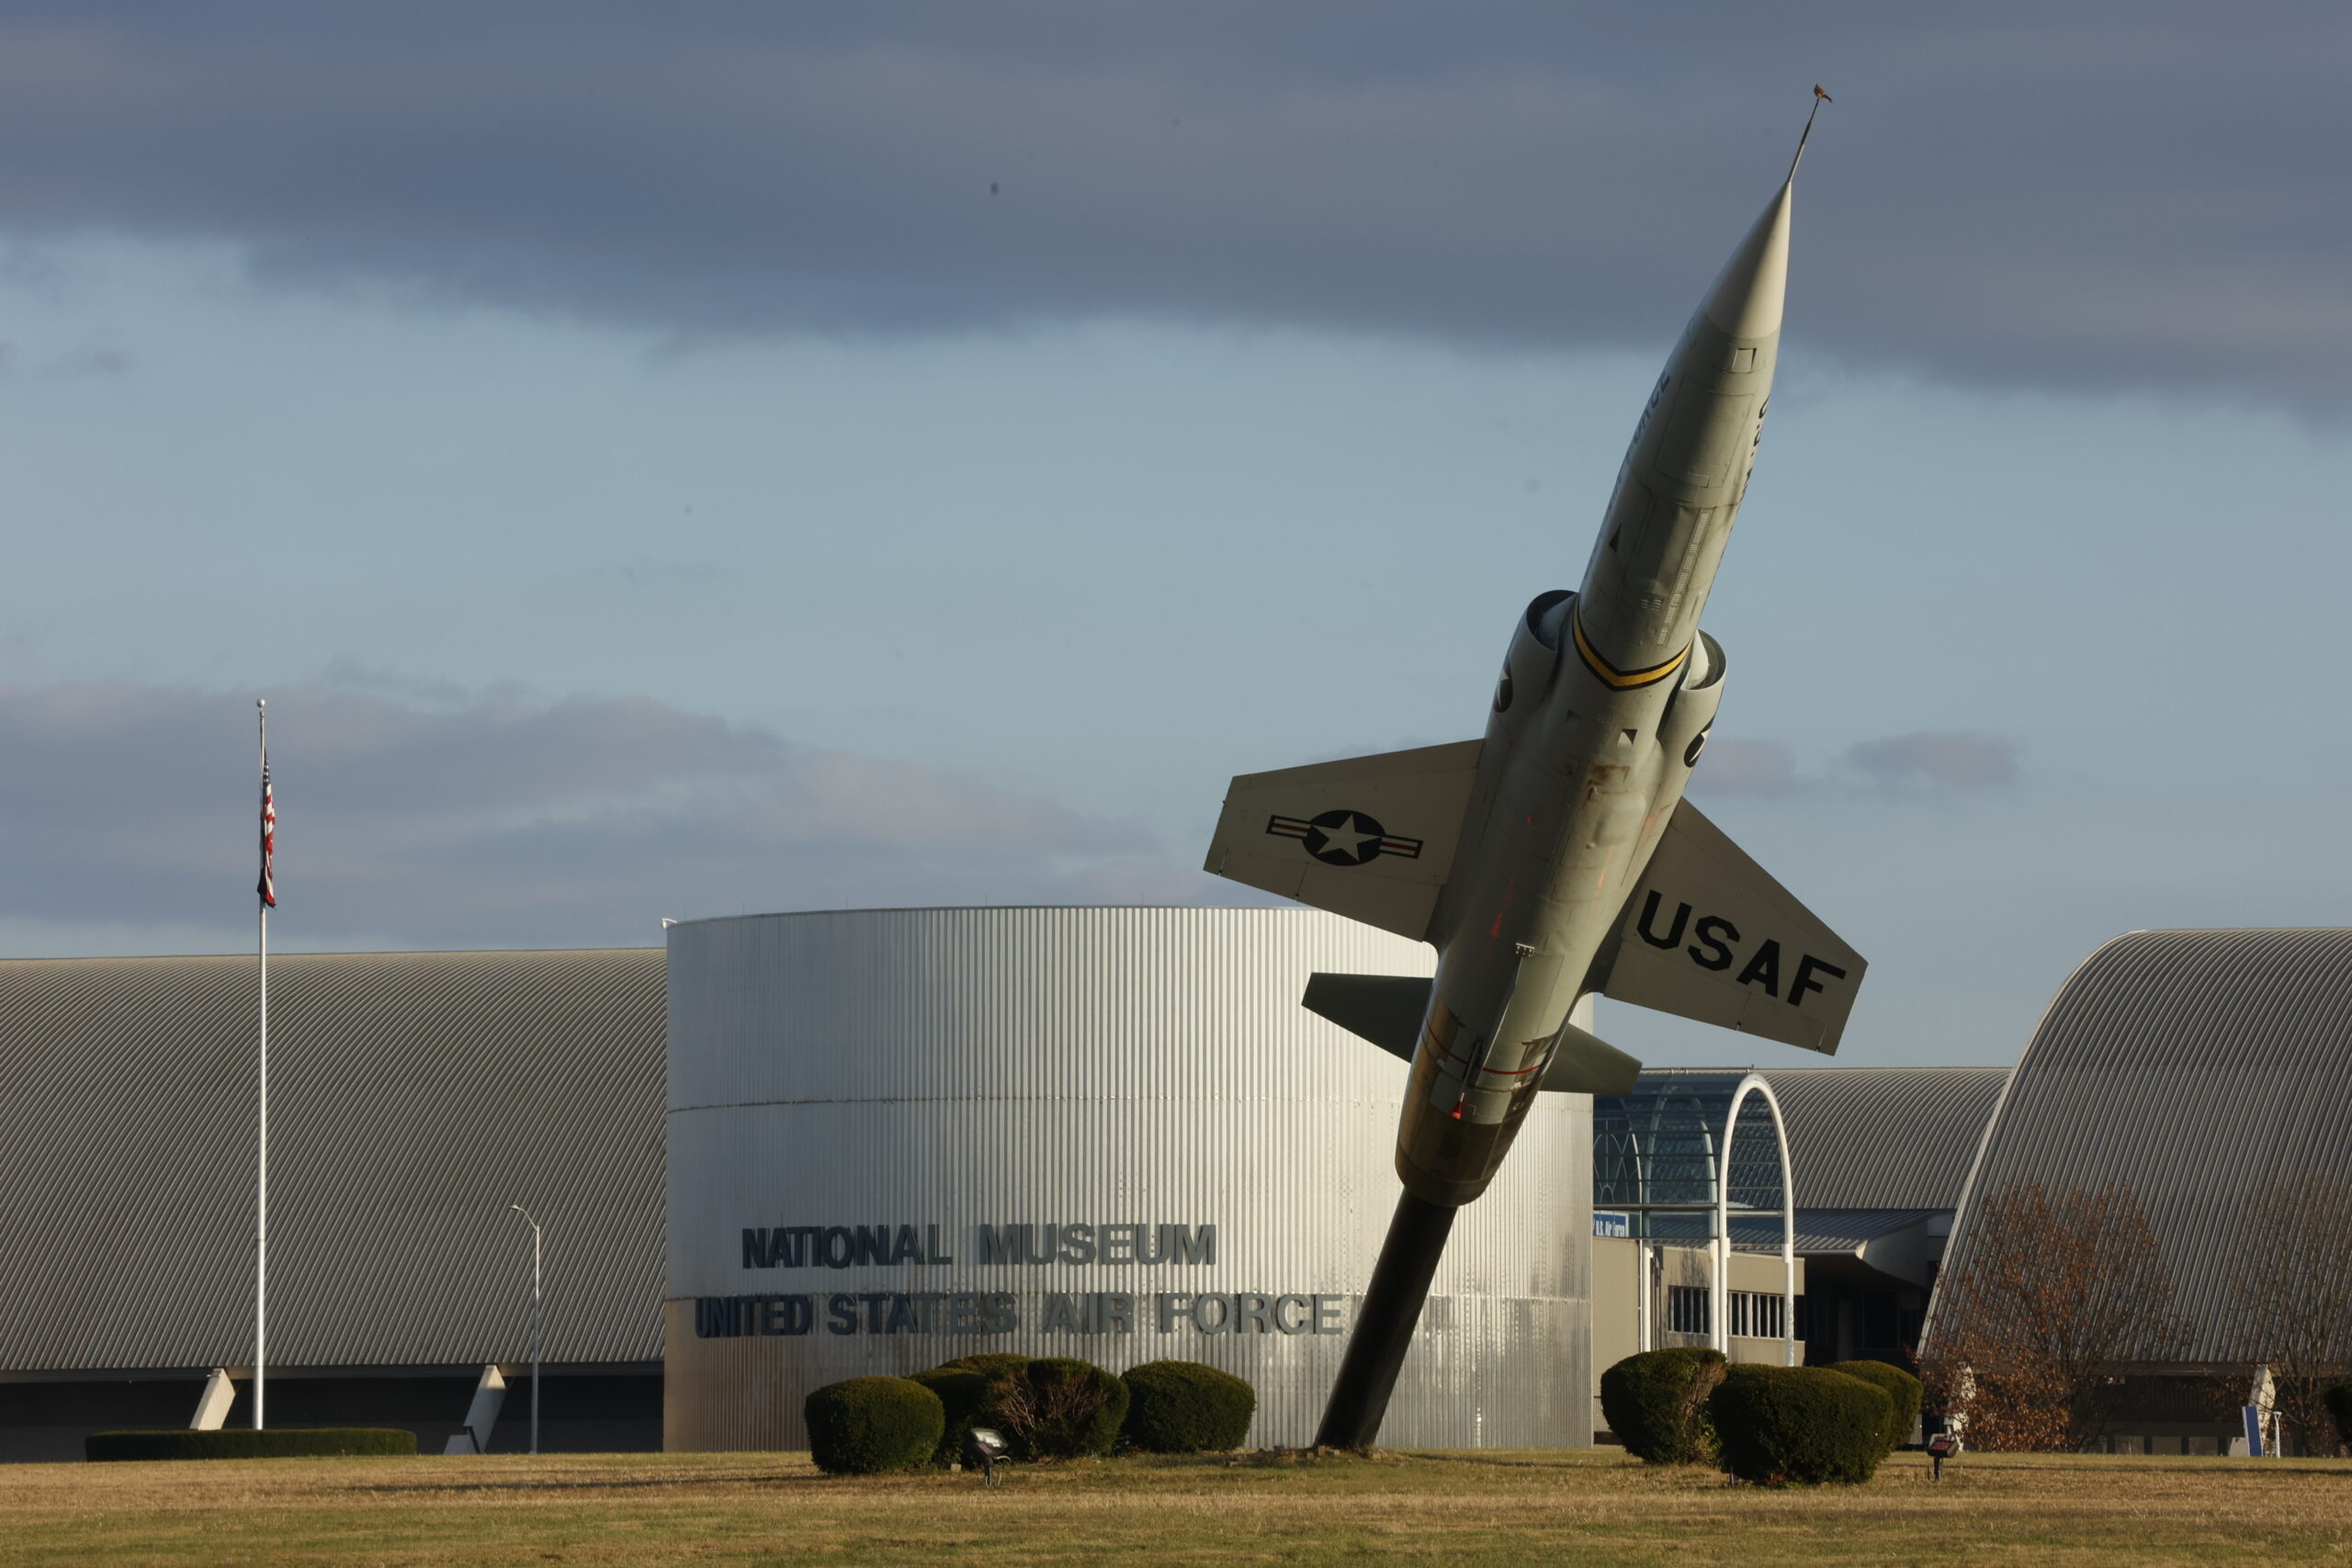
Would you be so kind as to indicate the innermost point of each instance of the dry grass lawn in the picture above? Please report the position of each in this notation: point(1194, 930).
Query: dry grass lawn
point(1591, 1506)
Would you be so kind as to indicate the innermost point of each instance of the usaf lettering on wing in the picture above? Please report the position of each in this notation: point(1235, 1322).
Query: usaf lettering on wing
point(1715, 934)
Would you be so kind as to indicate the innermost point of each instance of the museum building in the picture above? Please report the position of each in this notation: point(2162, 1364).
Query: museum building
point(805, 1146)
point(900, 1136)
point(892, 1138)
point(2207, 1077)
point(414, 1098)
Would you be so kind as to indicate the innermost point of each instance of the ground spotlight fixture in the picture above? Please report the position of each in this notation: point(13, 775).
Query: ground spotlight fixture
point(983, 1446)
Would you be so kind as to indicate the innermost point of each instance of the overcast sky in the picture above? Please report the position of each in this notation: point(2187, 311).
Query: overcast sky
point(672, 461)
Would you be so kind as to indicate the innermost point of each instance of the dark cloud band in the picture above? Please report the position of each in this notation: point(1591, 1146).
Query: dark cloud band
point(2102, 195)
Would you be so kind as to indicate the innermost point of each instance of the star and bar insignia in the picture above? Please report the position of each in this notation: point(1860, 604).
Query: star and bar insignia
point(1343, 837)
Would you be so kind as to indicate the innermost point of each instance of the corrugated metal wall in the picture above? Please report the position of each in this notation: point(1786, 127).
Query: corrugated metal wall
point(413, 1097)
point(2193, 1067)
point(962, 1068)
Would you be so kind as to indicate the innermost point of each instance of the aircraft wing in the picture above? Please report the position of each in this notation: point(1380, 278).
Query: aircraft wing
point(1369, 838)
point(1709, 935)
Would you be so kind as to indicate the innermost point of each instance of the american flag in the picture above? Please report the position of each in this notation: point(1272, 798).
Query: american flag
point(268, 885)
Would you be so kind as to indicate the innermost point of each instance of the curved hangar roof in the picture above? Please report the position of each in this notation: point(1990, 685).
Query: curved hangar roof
point(413, 1097)
point(1885, 1137)
point(1875, 1138)
point(2190, 1066)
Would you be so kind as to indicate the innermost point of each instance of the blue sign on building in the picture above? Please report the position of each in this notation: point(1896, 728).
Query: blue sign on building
point(1612, 1225)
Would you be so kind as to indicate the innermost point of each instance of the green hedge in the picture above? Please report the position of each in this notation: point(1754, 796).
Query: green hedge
point(244, 1442)
point(1059, 1408)
point(1657, 1403)
point(964, 1395)
point(1809, 1425)
point(1184, 1407)
point(1903, 1393)
point(992, 1365)
point(865, 1425)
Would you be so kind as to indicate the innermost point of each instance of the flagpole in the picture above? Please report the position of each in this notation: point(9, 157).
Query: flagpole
point(261, 1221)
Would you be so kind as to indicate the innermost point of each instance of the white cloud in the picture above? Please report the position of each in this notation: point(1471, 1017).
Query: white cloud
point(498, 821)
point(1959, 759)
point(1956, 758)
point(1745, 767)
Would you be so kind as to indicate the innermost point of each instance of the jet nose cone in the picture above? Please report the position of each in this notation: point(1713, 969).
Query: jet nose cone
point(1746, 300)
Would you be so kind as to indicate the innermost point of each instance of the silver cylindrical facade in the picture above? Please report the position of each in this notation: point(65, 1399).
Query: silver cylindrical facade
point(951, 1082)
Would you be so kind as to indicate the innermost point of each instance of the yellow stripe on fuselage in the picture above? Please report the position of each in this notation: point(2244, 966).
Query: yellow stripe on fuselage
point(1614, 678)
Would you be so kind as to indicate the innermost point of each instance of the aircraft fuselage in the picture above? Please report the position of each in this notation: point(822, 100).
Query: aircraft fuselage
point(1602, 710)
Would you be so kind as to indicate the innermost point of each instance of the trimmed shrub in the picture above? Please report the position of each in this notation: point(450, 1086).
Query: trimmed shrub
point(991, 1368)
point(1657, 1403)
point(244, 1442)
point(964, 1395)
point(1902, 1394)
point(1809, 1425)
point(992, 1364)
point(1059, 1408)
point(865, 1425)
point(1184, 1407)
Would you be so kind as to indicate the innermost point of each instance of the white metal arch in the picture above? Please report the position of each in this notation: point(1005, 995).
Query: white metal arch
point(1719, 1308)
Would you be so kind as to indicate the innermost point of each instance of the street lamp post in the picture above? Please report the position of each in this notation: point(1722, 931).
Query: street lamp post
point(535, 1321)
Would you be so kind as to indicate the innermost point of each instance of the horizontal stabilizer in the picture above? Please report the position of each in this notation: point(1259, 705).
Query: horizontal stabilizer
point(1386, 1010)
point(1369, 838)
point(1709, 935)
point(1586, 1063)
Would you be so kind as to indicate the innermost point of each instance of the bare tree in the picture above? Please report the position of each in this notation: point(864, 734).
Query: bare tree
point(2292, 1283)
point(2060, 1295)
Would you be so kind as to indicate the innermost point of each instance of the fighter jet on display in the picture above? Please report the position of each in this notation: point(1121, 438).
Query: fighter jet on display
point(1555, 859)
